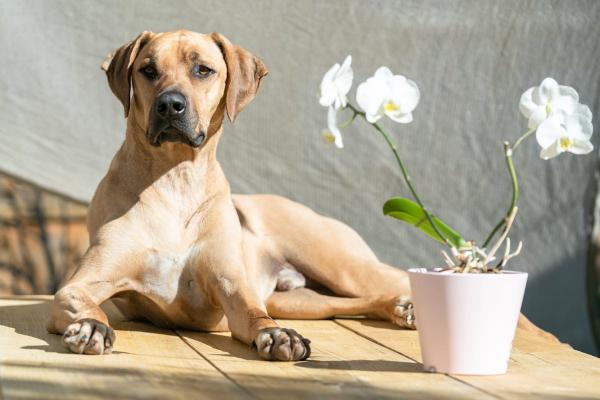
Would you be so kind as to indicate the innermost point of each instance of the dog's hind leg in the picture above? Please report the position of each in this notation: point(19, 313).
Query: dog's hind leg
point(303, 303)
point(327, 251)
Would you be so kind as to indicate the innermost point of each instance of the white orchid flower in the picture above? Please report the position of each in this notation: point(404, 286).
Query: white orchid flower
point(334, 87)
point(540, 103)
point(336, 84)
point(333, 135)
point(387, 94)
point(571, 133)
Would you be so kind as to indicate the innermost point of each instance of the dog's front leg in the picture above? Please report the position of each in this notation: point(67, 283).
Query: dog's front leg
point(249, 322)
point(224, 276)
point(76, 312)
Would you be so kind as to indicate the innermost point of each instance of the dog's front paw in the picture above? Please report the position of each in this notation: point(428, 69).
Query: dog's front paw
point(88, 336)
point(282, 345)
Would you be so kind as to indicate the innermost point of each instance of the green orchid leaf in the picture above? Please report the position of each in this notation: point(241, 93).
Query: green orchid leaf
point(412, 213)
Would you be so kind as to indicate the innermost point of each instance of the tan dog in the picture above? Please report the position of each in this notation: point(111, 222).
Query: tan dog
point(172, 245)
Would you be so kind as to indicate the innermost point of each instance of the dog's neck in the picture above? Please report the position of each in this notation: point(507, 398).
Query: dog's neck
point(173, 165)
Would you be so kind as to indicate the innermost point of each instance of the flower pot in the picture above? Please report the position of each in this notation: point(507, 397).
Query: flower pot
point(466, 322)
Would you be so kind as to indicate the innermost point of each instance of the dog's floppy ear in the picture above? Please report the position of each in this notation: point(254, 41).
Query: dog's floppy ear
point(244, 73)
point(117, 66)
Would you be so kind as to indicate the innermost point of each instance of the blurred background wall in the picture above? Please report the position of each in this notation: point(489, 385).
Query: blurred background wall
point(472, 59)
point(42, 237)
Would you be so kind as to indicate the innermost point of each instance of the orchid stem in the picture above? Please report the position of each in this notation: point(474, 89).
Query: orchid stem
point(523, 137)
point(349, 121)
point(508, 153)
point(407, 179)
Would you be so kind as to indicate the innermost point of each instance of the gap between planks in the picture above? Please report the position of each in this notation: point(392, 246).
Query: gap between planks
point(538, 369)
point(344, 365)
point(215, 366)
point(416, 361)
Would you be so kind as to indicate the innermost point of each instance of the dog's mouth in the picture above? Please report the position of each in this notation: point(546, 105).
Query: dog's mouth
point(173, 134)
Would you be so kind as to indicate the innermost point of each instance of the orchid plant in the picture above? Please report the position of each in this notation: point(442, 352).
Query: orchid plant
point(560, 123)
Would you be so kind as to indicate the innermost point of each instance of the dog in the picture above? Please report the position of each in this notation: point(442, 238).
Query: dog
point(170, 244)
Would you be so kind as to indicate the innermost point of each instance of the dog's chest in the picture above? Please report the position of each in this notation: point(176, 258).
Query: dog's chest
point(168, 276)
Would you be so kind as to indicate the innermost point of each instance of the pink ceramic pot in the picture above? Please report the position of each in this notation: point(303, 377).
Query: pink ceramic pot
point(466, 322)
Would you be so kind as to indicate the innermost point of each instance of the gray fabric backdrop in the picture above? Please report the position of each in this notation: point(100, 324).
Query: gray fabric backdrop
point(60, 125)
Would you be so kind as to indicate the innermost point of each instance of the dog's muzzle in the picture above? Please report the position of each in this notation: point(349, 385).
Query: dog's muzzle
point(172, 121)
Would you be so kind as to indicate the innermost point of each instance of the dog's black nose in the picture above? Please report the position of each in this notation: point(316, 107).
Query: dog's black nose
point(170, 104)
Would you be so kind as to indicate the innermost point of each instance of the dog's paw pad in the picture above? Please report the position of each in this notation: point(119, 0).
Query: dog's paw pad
point(282, 345)
point(88, 336)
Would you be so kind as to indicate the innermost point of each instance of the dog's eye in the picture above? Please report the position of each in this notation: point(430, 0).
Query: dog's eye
point(203, 71)
point(149, 72)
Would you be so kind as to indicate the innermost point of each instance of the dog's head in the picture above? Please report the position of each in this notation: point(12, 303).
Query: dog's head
point(182, 83)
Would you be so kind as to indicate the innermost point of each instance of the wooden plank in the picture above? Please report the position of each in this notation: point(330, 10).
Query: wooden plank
point(555, 353)
point(538, 368)
point(147, 362)
point(343, 365)
point(525, 341)
point(351, 359)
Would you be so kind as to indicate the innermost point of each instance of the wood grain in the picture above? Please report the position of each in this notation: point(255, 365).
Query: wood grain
point(147, 362)
point(343, 365)
point(351, 359)
point(538, 368)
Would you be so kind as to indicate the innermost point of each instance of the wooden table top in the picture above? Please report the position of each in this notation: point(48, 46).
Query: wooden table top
point(352, 358)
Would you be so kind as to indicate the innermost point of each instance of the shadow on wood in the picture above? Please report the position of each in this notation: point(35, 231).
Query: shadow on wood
point(364, 365)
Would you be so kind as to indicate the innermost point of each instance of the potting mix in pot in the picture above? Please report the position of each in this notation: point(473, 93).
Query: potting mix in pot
point(467, 311)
